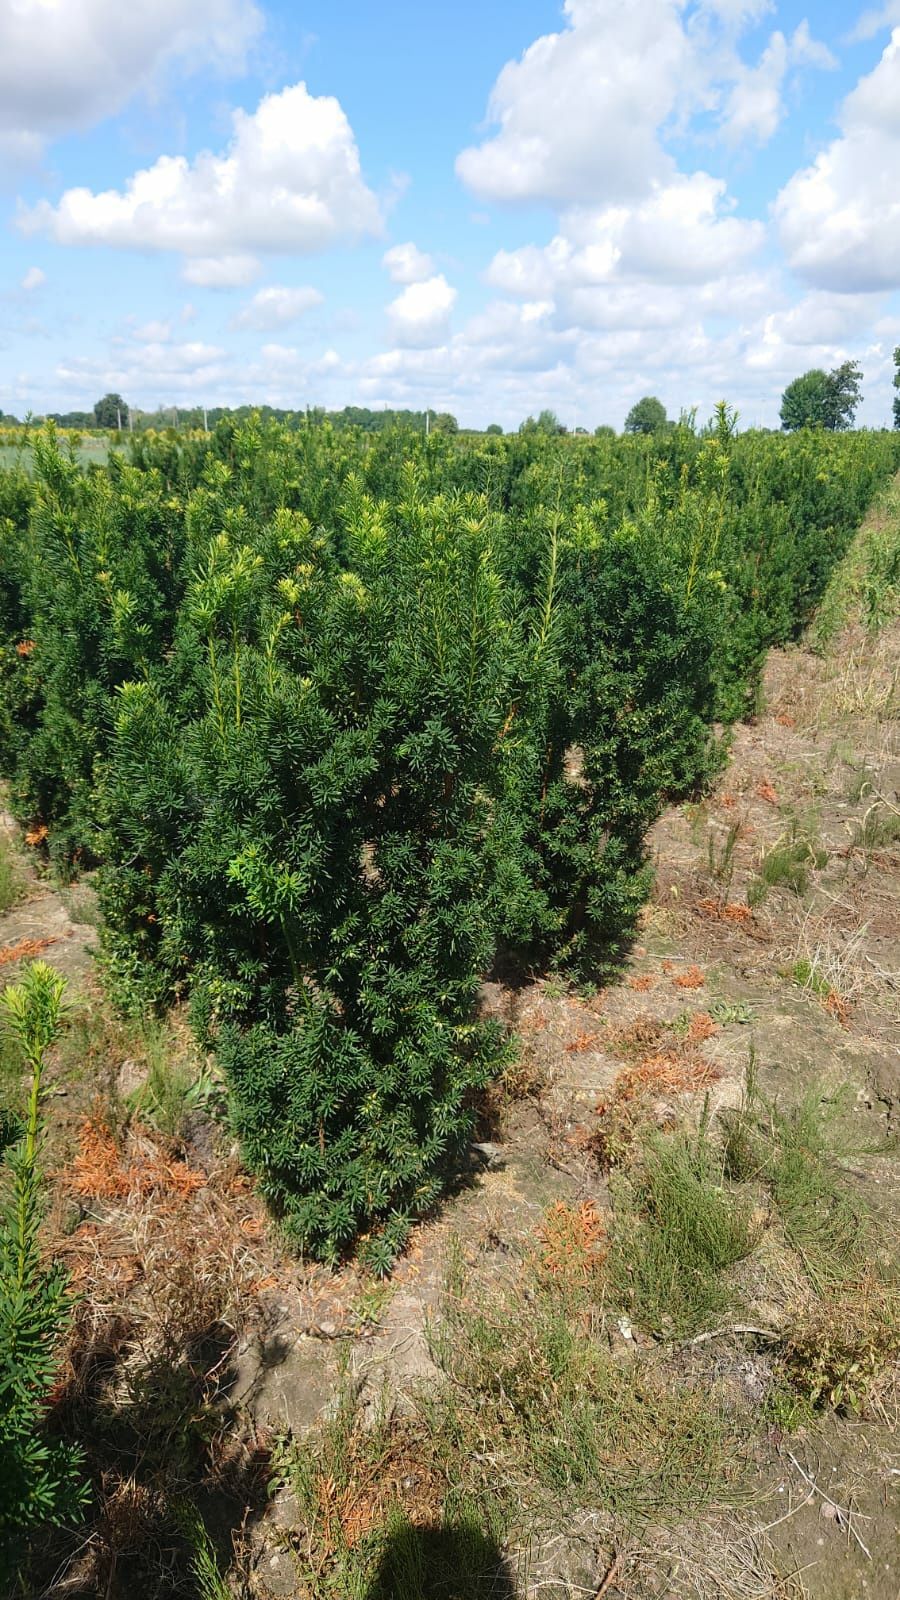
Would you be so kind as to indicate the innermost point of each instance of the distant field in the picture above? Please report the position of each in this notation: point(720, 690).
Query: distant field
point(89, 450)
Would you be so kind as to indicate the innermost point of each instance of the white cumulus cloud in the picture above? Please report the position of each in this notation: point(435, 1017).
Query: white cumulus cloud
point(839, 219)
point(277, 307)
point(289, 182)
point(406, 263)
point(579, 113)
point(420, 316)
point(33, 278)
point(682, 233)
point(66, 64)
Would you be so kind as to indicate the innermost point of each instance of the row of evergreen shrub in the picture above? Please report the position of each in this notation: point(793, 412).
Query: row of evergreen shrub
point(339, 717)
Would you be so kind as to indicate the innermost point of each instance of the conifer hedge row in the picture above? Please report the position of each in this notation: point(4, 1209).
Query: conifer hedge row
point(339, 718)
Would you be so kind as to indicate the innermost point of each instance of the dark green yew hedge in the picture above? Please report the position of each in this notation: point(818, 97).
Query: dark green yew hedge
point(341, 718)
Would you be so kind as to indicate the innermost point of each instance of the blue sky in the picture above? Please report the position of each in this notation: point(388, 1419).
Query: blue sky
point(484, 208)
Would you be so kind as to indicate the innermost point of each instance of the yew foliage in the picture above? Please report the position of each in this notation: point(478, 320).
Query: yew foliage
point(344, 718)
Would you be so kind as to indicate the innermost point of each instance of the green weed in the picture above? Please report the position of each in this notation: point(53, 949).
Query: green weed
point(173, 1088)
point(10, 877)
point(727, 1012)
point(797, 1153)
point(879, 829)
point(866, 584)
point(806, 976)
point(788, 865)
point(823, 1221)
point(204, 1567)
point(678, 1227)
point(536, 1415)
point(859, 786)
point(720, 856)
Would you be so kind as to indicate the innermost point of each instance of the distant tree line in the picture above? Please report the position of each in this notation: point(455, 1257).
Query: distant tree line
point(817, 399)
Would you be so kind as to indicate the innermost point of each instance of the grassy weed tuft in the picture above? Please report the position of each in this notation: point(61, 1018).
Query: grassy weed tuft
point(678, 1228)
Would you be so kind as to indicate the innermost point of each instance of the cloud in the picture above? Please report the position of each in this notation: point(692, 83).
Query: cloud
point(34, 278)
point(289, 182)
point(839, 219)
point(66, 64)
point(814, 331)
point(420, 316)
point(755, 105)
point(681, 234)
point(579, 113)
point(153, 333)
point(874, 21)
point(221, 272)
point(276, 307)
point(582, 116)
point(737, 14)
point(406, 263)
point(147, 373)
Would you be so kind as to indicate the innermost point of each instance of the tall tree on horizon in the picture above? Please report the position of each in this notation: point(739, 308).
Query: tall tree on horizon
point(821, 399)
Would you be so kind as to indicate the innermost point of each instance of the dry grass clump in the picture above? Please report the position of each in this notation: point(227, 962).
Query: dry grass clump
point(379, 1515)
point(833, 964)
point(840, 1347)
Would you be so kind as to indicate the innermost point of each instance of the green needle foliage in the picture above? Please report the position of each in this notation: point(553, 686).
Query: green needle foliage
point(39, 1478)
point(345, 717)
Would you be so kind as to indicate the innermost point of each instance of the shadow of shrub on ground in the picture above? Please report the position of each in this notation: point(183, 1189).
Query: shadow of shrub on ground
point(453, 1561)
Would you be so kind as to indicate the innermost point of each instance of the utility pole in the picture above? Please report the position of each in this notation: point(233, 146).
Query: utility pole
point(427, 421)
point(119, 419)
point(205, 423)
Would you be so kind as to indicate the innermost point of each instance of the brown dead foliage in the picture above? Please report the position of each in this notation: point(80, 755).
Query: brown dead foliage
point(572, 1243)
point(838, 1007)
point(584, 1041)
point(666, 1066)
point(767, 792)
point(165, 1277)
point(642, 984)
point(670, 1072)
point(24, 950)
point(732, 912)
point(636, 1038)
point(98, 1171)
point(693, 978)
point(37, 835)
point(701, 1028)
point(400, 1474)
